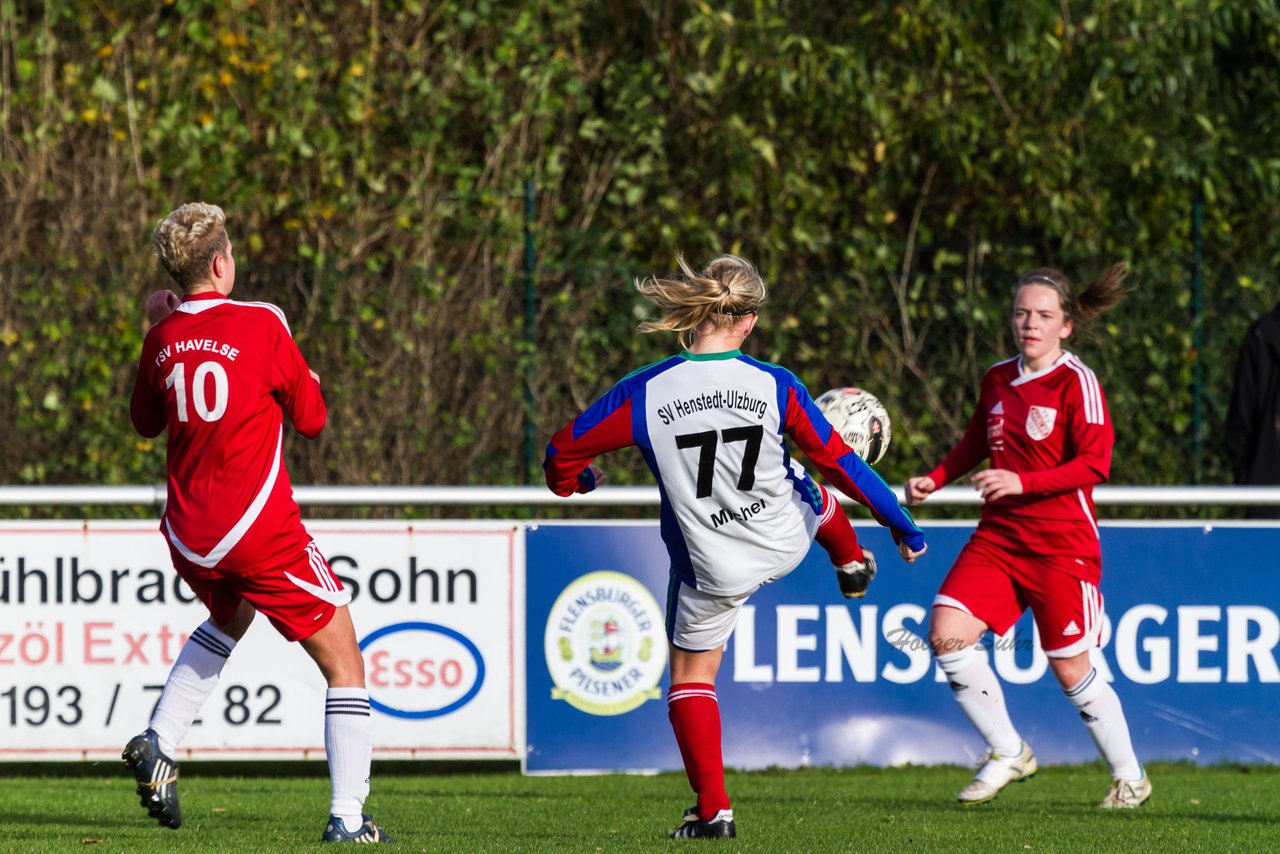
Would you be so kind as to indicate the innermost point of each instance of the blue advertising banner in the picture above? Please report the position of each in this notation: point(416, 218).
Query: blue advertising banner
point(812, 678)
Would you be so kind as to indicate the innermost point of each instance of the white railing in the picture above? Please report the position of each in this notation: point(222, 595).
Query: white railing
point(633, 496)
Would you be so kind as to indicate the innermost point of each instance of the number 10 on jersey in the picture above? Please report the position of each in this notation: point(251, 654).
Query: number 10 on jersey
point(177, 381)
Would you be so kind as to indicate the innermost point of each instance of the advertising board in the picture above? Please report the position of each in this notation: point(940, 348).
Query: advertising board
point(812, 678)
point(92, 617)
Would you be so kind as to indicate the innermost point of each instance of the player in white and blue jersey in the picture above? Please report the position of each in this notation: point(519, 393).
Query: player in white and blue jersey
point(736, 512)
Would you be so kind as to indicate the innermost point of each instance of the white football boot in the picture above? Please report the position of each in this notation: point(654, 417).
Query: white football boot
point(1127, 794)
point(997, 772)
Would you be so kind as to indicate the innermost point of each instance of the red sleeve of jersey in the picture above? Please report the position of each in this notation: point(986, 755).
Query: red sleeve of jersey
point(295, 388)
point(605, 426)
point(1092, 436)
point(146, 405)
point(968, 452)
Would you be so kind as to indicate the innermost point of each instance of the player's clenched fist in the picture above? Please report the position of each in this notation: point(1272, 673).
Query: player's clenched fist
point(161, 304)
point(590, 479)
point(909, 554)
point(919, 488)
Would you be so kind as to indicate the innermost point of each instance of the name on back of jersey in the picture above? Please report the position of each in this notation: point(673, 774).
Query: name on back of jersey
point(192, 345)
point(732, 398)
point(742, 514)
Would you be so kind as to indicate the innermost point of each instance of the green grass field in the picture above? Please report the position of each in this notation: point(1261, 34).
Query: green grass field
point(282, 808)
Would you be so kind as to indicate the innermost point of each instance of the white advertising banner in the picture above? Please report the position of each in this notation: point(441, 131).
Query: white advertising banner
point(92, 616)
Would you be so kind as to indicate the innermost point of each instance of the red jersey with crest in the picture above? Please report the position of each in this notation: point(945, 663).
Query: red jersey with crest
point(1052, 428)
point(220, 376)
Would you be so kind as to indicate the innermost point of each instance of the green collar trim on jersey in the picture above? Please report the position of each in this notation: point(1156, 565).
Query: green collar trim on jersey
point(710, 357)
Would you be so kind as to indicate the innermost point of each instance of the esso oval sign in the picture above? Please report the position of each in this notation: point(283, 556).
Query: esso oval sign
point(421, 670)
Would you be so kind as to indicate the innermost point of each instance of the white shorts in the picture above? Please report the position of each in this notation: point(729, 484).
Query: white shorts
point(700, 622)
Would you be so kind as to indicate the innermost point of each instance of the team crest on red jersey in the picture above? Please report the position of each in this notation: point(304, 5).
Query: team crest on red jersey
point(1040, 421)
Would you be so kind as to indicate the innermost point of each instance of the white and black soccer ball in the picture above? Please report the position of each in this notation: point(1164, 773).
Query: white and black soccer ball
point(860, 419)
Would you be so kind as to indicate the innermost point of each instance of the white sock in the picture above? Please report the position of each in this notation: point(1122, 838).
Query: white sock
point(348, 742)
point(1103, 717)
point(191, 681)
point(976, 689)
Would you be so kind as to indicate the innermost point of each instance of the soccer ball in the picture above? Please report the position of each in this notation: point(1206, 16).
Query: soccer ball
point(860, 419)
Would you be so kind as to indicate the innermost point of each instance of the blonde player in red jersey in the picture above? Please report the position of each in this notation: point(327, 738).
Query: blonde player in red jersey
point(1042, 420)
point(220, 376)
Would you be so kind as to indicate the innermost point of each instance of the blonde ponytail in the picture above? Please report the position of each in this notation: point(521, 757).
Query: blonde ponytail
point(726, 289)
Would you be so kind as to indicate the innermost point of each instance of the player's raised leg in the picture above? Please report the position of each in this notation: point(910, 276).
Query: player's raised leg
point(855, 566)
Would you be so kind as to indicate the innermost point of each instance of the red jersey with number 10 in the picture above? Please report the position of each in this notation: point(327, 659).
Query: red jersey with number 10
point(1052, 428)
point(220, 375)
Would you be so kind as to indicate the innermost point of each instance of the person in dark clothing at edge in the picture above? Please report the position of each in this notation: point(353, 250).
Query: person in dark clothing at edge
point(1253, 419)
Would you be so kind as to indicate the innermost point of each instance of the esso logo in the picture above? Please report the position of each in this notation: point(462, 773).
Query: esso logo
point(421, 670)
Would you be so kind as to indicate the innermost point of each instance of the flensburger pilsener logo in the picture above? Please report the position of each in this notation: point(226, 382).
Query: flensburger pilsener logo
point(605, 644)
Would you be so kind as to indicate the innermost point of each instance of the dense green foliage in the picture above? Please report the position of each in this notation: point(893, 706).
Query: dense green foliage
point(891, 167)
point(817, 809)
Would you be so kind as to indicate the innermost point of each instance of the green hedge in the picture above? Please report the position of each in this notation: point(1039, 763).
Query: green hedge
point(891, 168)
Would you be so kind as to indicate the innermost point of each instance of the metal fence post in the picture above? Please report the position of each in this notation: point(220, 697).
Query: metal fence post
point(530, 331)
point(1197, 340)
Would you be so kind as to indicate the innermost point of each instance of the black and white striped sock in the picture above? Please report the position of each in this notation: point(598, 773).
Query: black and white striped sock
point(348, 743)
point(191, 681)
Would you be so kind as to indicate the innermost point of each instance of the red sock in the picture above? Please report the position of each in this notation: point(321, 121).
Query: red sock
point(835, 534)
point(695, 717)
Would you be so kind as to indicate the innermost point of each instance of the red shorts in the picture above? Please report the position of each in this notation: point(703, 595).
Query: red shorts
point(996, 586)
point(299, 597)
